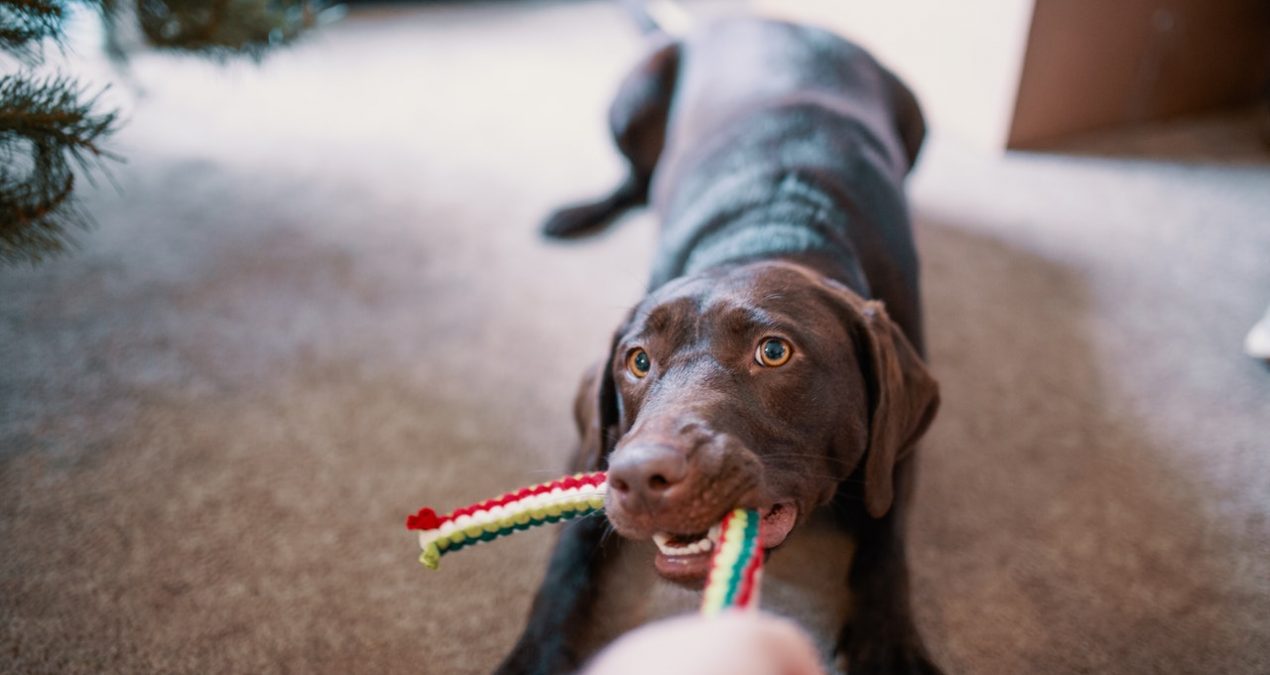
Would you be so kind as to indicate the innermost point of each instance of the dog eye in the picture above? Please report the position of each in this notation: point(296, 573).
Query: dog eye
point(638, 362)
point(773, 352)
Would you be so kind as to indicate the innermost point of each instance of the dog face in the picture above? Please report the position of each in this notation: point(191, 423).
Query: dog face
point(760, 386)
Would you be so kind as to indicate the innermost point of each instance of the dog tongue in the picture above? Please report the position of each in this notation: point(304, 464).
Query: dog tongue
point(777, 522)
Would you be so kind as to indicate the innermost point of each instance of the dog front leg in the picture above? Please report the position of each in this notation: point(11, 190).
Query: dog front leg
point(881, 636)
point(562, 606)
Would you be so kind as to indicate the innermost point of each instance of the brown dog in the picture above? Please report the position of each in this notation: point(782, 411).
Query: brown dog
point(776, 361)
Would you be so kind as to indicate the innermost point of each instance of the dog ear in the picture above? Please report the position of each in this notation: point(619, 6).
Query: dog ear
point(904, 398)
point(595, 413)
point(909, 120)
point(586, 414)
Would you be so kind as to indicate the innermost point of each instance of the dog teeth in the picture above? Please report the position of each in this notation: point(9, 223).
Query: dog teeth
point(662, 539)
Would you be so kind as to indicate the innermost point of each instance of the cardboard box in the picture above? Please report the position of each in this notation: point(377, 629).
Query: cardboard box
point(1095, 64)
point(1029, 73)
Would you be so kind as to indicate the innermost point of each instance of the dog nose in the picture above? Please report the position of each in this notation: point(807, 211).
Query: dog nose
point(646, 474)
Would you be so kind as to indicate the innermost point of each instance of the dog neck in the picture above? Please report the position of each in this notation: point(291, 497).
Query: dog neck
point(787, 218)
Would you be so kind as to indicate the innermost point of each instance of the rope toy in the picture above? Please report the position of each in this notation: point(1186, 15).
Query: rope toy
point(562, 499)
point(735, 568)
point(736, 565)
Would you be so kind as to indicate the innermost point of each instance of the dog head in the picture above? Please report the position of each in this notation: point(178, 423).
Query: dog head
point(760, 386)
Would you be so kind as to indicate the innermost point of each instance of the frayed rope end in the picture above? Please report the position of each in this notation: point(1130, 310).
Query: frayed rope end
point(425, 519)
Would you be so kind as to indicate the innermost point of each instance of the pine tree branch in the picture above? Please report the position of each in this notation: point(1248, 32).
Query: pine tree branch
point(24, 23)
point(49, 128)
point(51, 111)
point(224, 28)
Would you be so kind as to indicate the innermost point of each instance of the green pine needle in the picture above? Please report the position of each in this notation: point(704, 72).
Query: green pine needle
point(24, 23)
point(48, 128)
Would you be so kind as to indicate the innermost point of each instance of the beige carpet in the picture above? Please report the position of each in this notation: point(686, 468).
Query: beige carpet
point(317, 301)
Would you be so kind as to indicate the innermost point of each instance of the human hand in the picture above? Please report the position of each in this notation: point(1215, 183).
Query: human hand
point(735, 643)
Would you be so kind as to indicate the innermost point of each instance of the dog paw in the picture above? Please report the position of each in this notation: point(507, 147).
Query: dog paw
point(891, 659)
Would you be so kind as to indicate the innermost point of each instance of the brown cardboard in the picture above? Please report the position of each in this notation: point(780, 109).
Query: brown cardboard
point(1093, 64)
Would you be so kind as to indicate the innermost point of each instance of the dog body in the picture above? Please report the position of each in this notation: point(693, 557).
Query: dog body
point(776, 361)
point(787, 140)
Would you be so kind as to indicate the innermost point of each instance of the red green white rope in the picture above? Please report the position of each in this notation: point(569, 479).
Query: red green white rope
point(735, 567)
point(737, 564)
point(562, 499)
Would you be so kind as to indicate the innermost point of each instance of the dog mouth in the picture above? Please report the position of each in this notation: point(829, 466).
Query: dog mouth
point(685, 557)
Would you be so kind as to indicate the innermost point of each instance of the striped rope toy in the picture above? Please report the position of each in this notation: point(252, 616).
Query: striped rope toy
point(737, 564)
point(522, 509)
point(735, 567)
